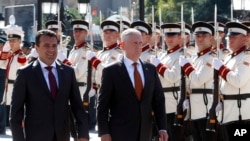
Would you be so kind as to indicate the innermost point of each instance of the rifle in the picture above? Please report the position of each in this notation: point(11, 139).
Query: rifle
point(211, 122)
point(89, 71)
point(179, 118)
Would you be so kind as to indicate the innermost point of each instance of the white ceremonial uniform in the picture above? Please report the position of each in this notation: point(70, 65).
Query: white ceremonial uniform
point(77, 57)
point(236, 83)
point(106, 56)
point(170, 78)
point(200, 78)
point(14, 65)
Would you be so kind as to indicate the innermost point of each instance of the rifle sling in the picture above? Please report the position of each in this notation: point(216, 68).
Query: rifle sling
point(236, 96)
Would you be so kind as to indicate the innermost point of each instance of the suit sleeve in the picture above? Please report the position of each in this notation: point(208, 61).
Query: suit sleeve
point(103, 102)
point(17, 107)
point(158, 102)
point(78, 109)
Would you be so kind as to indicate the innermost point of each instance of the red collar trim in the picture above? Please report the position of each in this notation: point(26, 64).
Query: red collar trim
point(174, 49)
point(81, 45)
point(204, 51)
point(145, 48)
point(111, 47)
point(238, 51)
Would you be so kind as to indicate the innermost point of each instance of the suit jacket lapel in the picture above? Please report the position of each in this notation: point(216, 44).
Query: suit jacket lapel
point(60, 72)
point(146, 75)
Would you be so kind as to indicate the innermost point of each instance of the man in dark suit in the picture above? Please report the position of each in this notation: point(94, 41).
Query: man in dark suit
point(41, 97)
point(125, 103)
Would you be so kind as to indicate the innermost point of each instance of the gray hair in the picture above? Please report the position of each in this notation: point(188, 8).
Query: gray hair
point(128, 32)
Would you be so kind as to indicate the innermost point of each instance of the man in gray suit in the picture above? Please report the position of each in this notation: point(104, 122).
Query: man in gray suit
point(41, 95)
point(130, 90)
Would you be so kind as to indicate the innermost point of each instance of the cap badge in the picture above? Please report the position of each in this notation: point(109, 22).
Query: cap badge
point(170, 29)
point(230, 30)
point(200, 28)
point(77, 26)
point(11, 35)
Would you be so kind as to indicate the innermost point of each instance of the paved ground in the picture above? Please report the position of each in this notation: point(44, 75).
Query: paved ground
point(8, 137)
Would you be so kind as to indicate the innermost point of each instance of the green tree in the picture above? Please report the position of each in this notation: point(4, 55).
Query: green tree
point(203, 10)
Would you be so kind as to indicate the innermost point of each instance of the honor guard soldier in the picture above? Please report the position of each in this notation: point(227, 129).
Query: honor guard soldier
point(234, 86)
point(77, 56)
point(11, 59)
point(54, 26)
point(223, 52)
point(2, 86)
point(111, 50)
point(146, 32)
point(169, 73)
point(247, 23)
point(78, 61)
point(199, 72)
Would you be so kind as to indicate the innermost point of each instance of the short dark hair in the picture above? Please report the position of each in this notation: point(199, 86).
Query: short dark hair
point(44, 32)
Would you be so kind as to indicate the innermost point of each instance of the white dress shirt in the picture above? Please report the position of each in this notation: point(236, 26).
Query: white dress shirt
point(130, 68)
point(46, 72)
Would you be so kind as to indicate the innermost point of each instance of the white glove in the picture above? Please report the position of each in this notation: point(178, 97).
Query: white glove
point(183, 60)
point(185, 104)
point(61, 56)
point(218, 107)
point(155, 61)
point(217, 63)
point(92, 92)
point(90, 55)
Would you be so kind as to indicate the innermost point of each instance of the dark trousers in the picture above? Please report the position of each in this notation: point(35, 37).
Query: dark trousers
point(2, 107)
point(175, 133)
point(7, 115)
point(199, 133)
point(92, 113)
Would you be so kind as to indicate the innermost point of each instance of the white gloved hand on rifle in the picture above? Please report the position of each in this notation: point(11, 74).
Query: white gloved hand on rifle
point(183, 61)
point(61, 56)
point(217, 63)
point(90, 55)
point(92, 92)
point(155, 61)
